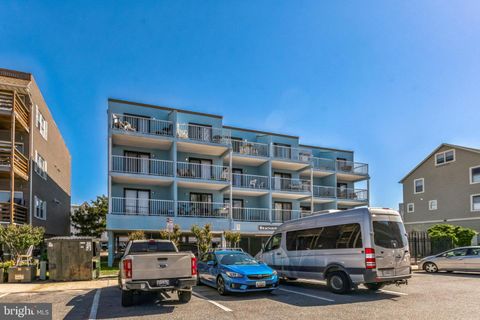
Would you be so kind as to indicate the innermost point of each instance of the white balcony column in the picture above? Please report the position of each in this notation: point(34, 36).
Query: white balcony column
point(230, 165)
point(111, 247)
point(109, 178)
point(311, 189)
point(174, 185)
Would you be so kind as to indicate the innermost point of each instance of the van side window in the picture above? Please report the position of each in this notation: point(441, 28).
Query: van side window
point(344, 236)
point(274, 242)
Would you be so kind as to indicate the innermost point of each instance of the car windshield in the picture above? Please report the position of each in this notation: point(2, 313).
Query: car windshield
point(236, 259)
point(389, 234)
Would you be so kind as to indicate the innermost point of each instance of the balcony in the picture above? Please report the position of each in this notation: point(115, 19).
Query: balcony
point(202, 209)
point(249, 184)
point(10, 100)
point(130, 130)
point(141, 170)
point(323, 194)
point(20, 161)
point(251, 214)
point(322, 167)
point(144, 207)
point(352, 197)
point(249, 153)
point(290, 188)
point(206, 176)
point(351, 171)
point(203, 139)
point(290, 158)
point(20, 213)
point(283, 215)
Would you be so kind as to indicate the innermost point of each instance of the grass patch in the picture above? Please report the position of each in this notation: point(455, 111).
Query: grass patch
point(105, 270)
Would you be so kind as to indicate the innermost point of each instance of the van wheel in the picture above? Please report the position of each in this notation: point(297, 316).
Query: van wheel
point(338, 282)
point(374, 286)
point(430, 267)
point(184, 296)
point(127, 298)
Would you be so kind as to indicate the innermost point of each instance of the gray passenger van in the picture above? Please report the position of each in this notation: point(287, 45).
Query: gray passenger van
point(346, 248)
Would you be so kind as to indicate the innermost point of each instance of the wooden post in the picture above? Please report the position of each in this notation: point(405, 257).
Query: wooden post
point(12, 161)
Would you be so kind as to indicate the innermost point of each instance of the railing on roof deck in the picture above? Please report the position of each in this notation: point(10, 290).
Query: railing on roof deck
point(144, 125)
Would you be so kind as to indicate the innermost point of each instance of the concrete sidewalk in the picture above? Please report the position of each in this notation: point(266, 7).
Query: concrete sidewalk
point(56, 286)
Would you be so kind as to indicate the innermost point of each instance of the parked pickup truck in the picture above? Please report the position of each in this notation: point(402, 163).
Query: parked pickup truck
point(156, 265)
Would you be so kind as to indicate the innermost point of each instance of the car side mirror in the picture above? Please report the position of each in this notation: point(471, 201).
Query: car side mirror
point(210, 263)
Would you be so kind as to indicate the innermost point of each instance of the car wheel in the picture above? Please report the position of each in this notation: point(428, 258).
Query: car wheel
point(221, 286)
point(430, 267)
point(338, 282)
point(291, 279)
point(127, 298)
point(184, 296)
point(374, 286)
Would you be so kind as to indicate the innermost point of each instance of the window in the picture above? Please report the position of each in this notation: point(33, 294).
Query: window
point(40, 208)
point(274, 242)
point(344, 236)
point(432, 205)
point(475, 202)
point(456, 253)
point(410, 207)
point(444, 157)
point(475, 175)
point(41, 123)
point(40, 165)
point(419, 185)
point(389, 234)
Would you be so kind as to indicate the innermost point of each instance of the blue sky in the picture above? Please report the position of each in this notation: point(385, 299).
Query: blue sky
point(388, 79)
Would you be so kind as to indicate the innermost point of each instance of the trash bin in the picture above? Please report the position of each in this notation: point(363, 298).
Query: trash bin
point(73, 258)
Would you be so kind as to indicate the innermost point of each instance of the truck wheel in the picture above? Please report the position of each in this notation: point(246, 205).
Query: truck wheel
point(338, 282)
point(374, 286)
point(184, 296)
point(127, 298)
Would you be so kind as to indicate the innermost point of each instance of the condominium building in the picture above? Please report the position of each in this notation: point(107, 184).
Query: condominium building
point(443, 188)
point(167, 163)
point(34, 160)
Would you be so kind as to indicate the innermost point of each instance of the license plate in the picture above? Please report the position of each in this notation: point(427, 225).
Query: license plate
point(161, 283)
point(388, 272)
point(260, 284)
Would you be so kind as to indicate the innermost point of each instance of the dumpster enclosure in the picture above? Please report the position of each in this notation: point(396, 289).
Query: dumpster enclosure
point(73, 258)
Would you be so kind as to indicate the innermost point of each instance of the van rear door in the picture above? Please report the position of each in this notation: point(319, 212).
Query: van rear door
point(391, 246)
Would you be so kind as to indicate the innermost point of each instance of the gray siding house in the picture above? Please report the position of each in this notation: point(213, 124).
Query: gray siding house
point(443, 188)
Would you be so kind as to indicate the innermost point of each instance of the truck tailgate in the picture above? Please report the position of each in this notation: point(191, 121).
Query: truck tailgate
point(161, 266)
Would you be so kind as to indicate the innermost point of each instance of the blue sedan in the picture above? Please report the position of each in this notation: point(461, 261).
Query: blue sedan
point(235, 271)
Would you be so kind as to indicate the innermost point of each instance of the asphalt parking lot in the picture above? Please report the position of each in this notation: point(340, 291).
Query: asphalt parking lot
point(428, 296)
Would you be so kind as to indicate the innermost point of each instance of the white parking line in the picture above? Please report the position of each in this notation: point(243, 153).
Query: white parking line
point(212, 302)
point(4, 294)
point(307, 295)
point(93, 310)
point(393, 292)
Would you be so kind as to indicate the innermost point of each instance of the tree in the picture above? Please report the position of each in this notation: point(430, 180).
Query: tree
point(233, 238)
point(136, 235)
point(174, 236)
point(460, 236)
point(18, 238)
point(203, 236)
point(90, 219)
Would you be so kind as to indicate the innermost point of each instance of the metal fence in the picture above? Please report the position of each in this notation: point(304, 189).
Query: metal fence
point(421, 245)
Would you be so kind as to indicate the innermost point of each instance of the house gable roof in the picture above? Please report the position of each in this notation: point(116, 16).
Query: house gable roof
point(452, 146)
